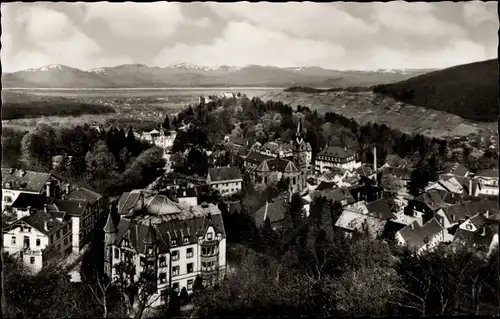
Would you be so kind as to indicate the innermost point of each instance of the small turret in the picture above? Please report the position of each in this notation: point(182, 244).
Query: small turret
point(151, 239)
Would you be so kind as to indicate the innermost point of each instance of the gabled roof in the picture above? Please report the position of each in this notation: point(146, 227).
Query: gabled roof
point(456, 213)
point(456, 169)
point(256, 157)
point(276, 210)
point(433, 198)
point(186, 225)
point(224, 174)
point(335, 195)
point(336, 151)
point(417, 236)
point(380, 209)
point(37, 220)
point(351, 220)
point(478, 220)
point(491, 173)
point(27, 181)
point(325, 185)
point(73, 207)
point(29, 199)
point(481, 238)
point(277, 165)
point(82, 193)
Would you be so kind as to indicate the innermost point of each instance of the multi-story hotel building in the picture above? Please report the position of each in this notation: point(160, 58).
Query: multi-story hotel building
point(336, 156)
point(178, 242)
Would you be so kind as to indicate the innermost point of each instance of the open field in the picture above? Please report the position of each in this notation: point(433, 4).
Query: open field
point(133, 104)
point(370, 107)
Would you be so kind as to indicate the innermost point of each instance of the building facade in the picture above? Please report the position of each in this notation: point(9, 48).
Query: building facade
point(488, 182)
point(38, 238)
point(176, 242)
point(335, 156)
point(227, 180)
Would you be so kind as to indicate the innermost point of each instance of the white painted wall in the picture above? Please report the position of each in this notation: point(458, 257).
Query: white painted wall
point(227, 188)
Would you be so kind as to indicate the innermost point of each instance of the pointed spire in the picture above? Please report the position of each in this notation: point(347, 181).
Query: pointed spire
point(150, 238)
point(110, 226)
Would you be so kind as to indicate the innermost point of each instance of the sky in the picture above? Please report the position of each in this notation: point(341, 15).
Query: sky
point(342, 35)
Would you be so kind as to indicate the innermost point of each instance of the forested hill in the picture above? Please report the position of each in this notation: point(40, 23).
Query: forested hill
point(469, 90)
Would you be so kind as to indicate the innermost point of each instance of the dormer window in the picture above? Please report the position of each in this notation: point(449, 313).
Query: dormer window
point(186, 239)
point(163, 261)
point(173, 242)
point(210, 236)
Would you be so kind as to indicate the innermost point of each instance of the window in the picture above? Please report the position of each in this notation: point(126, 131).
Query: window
point(189, 253)
point(163, 261)
point(175, 271)
point(117, 253)
point(209, 236)
point(59, 247)
point(186, 239)
point(7, 199)
point(173, 242)
point(163, 277)
point(190, 284)
point(38, 241)
point(190, 268)
point(468, 226)
point(32, 260)
point(58, 235)
point(452, 217)
point(175, 255)
point(13, 242)
point(28, 229)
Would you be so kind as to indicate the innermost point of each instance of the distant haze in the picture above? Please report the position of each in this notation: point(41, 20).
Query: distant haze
point(337, 36)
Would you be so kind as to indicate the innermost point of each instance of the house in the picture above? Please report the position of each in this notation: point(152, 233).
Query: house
point(425, 206)
point(473, 223)
point(227, 180)
point(483, 239)
point(338, 194)
point(83, 207)
point(351, 221)
point(163, 139)
point(38, 238)
point(271, 171)
point(274, 210)
point(335, 156)
point(488, 182)
point(179, 243)
point(25, 202)
point(365, 217)
point(367, 193)
point(16, 182)
point(449, 184)
point(421, 238)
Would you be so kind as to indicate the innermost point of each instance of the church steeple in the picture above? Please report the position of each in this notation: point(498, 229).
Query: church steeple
point(299, 136)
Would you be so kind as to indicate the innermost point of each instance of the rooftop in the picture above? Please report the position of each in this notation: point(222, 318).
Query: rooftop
point(416, 236)
point(224, 174)
point(38, 220)
point(277, 165)
point(491, 173)
point(276, 210)
point(29, 199)
point(27, 181)
point(336, 151)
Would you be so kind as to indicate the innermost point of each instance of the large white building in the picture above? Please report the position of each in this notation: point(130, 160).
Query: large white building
point(177, 242)
point(162, 138)
point(335, 156)
point(38, 238)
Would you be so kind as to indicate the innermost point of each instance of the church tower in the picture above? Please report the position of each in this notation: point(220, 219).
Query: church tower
point(299, 151)
point(110, 231)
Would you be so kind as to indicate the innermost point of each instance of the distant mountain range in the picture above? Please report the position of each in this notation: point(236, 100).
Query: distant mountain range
point(188, 75)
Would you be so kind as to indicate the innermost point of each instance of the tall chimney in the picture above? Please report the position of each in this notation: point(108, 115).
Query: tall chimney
point(265, 212)
point(47, 187)
point(375, 159)
point(470, 187)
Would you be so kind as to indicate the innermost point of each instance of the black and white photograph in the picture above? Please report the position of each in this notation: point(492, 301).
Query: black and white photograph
point(250, 159)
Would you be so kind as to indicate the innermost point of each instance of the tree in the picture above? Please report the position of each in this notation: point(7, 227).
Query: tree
point(268, 238)
point(198, 284)
point(390, 183)
point(166, 123)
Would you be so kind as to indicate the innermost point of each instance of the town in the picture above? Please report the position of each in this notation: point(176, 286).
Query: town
point(162, 215)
